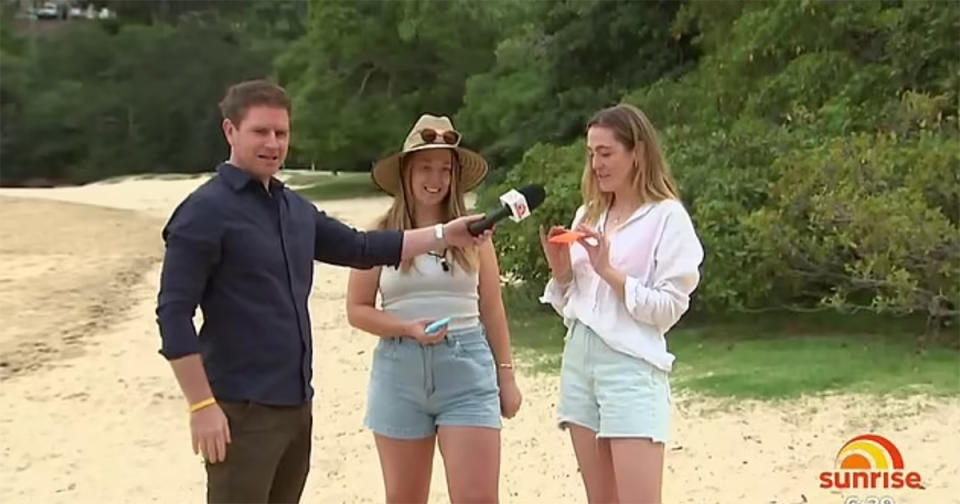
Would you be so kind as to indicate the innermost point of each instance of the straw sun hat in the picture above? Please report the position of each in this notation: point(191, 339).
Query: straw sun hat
point(430, 132)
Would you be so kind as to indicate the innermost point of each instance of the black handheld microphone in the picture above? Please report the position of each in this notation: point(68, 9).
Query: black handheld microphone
point(514, 204)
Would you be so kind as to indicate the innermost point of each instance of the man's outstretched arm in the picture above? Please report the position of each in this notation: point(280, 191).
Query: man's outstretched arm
point(340, 244)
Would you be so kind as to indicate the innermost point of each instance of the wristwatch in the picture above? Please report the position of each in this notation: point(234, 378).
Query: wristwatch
point(438, 234)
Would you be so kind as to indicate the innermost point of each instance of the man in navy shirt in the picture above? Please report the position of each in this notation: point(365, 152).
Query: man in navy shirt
point(242, 247)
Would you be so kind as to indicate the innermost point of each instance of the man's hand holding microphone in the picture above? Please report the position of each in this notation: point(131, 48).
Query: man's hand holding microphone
point(517, 205)
point(475, 229)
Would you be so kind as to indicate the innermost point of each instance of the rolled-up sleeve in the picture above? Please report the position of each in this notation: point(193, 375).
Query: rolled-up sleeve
point(676, 275)
point(556, 295)
point(340, 244)
point(193, 243)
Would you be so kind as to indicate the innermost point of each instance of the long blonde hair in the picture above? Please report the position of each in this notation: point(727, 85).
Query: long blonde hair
point(652, 179)
point(400, 214)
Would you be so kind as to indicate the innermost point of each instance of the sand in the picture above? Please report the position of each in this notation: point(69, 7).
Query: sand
point(93, 414)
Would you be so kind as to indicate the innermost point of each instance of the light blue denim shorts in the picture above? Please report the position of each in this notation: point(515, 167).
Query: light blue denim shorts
point(415, 388)
point(612, 393)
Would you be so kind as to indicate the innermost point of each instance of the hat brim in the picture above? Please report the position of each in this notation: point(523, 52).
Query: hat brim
point(386, 172)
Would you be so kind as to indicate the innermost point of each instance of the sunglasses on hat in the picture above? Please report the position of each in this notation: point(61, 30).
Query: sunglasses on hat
point(430, 135)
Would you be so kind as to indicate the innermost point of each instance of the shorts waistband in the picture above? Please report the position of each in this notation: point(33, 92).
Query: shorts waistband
point(463, 335)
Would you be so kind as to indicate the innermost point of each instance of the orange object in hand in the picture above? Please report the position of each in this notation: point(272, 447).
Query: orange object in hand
point(568, 237)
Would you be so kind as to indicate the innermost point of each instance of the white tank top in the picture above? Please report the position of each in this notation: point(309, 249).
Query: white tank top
point(428, 292)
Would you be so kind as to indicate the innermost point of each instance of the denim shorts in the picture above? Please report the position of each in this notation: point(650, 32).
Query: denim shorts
point(612, 393)
point(416, 388)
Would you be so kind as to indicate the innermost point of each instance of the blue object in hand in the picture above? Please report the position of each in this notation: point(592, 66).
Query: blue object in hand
point(437, 325)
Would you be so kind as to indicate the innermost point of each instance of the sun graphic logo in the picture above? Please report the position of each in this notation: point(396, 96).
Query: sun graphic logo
point(870, 461)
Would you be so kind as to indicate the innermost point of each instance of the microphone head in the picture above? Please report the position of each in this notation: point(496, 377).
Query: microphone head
point(534, 194)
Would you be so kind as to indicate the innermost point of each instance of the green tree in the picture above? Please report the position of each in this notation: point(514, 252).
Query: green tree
point(566, 60)
point(364, 71)
point(873, 218)
point(110, 98)
point(805, 139)
point(13, 91)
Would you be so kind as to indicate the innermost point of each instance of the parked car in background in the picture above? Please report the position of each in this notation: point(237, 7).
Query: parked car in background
point(50, 10)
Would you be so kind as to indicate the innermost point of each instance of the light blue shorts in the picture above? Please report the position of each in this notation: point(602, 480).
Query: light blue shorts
point(612, 393)
point(415, 388)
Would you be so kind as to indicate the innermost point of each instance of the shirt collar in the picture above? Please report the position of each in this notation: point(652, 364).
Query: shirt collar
point(238, 179)
point(642, 210)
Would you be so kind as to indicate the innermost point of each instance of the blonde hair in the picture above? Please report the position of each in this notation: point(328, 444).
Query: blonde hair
point(652, 179)
point(400, 214)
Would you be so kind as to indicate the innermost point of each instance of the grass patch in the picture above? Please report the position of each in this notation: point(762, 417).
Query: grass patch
point(332, 187)
point(727, 360)
point(771, 356)
point(536, 332)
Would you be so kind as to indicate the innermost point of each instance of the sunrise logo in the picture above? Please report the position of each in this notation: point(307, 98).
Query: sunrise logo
point(869, 461)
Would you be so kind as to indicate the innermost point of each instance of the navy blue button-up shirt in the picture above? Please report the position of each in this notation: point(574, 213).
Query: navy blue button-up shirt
point(245, 255)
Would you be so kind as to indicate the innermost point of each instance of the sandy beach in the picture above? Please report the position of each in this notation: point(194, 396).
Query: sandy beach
point(93, 414)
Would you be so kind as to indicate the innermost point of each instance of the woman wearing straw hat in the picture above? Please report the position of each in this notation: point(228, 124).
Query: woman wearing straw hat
point(451, 385)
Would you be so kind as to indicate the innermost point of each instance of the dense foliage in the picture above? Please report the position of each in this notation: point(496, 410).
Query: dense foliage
point(815, 142)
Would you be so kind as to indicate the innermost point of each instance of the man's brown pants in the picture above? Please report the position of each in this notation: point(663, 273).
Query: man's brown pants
point(269, 455)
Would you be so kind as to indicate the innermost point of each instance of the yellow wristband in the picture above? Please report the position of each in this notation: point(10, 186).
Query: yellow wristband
point(202, 404)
